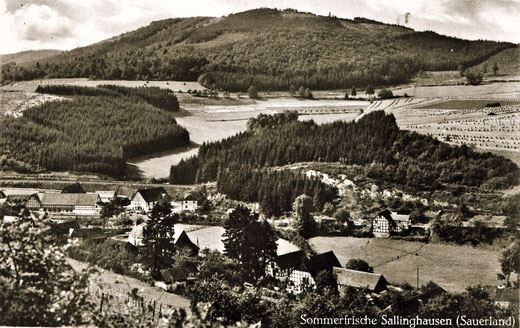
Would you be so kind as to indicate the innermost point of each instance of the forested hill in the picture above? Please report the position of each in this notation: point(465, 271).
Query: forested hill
point(375, 142)
point(269, 48)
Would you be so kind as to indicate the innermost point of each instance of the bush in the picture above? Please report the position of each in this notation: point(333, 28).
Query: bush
point(385, 94)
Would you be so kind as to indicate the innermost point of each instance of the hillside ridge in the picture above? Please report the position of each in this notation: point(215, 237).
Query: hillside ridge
point(272, 49)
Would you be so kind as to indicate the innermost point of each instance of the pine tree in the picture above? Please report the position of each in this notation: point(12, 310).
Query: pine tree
point(159, 246)
point(249, 241)
point(302, 208)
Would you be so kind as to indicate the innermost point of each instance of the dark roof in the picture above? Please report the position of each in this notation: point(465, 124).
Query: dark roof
point(289, 260)
point(360, 279)
point(412, 305)
point(393, 216)
point(174, 274)
point(152, 194)
point(88, 233)
point(2, 195)
point(189, 197)
point(320, 262)
point(76, 199)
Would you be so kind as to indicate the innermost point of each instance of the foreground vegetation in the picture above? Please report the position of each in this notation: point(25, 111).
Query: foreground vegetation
point(271, 49)
point(87, 134)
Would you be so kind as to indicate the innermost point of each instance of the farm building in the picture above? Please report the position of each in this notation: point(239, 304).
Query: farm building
point(189, 203)
point(387, 223)
point(145, 199)
point(307, 269)
point(81, 204)
point(2, 197)
point(181, 240)
point(31, 201)
point(359, 279)
point(283, 265)
point(135, 236)
point(106, 195)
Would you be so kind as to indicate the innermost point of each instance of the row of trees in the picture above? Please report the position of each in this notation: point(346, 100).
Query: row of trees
point(155, 96)
point(89, 134)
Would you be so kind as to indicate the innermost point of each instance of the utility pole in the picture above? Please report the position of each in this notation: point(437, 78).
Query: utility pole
point(417, 277)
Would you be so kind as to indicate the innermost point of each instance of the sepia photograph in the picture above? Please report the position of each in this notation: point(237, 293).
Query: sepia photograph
point(260, 163)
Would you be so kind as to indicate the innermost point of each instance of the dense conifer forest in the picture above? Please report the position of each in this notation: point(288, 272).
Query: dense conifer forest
point(158, 97)
point(87, 134)
point(269, 48)
point(240, 163)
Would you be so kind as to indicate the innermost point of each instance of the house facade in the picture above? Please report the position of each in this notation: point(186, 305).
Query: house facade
point(387, 223)
point(283, 265)
point(303, 275)
point(79, 204)
point(189, 203)
point(145, 199)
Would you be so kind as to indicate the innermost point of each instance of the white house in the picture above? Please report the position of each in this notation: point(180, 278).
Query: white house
point(189, 203)
point(145, 199)
point(106, 195)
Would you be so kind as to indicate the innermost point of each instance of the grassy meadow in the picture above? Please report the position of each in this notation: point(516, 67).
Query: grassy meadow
point(452, 267)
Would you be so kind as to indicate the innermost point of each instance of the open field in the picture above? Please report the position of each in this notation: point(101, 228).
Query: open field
point(30, 86)
point(120, 287)
point(207, 123)
point(490, 129)
point(452, 113)
point(466, 104)
point(452, 267)
point(491, 90)
point(211, 237)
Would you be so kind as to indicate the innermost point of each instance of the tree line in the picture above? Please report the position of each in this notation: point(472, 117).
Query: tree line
point(375, 142)
point(155, 96)
point(88, 134)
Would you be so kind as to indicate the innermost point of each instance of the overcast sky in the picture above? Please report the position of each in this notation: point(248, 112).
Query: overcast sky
point(66, 24)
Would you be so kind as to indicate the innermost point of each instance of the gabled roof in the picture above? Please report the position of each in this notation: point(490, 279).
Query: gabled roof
point(394, 217)
point(189, 197)
point(289, 260)
point(181, 239)
point(2, 195)
point(400, 217)
point(18, 198)
point(152, 194)
point(320, 262)
point(55, 199)
point(358, 279)
point(106, 193)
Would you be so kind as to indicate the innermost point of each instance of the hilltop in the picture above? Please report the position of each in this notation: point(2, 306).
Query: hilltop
point(269, 48)
point(28, 56)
